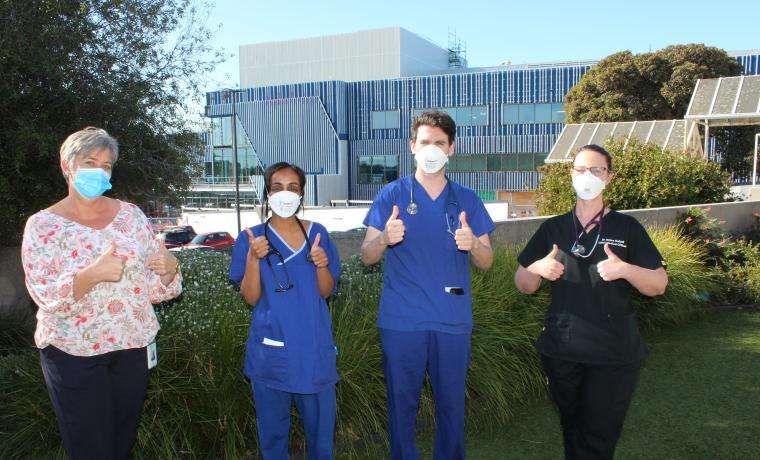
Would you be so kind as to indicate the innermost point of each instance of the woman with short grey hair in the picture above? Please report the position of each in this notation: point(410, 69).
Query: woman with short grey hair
point(94, 267)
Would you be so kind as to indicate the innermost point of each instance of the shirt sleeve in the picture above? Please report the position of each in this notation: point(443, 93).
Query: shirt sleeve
point(536, 249)
point(50, 285)
point(380, 211)
point(641, 249)
point(239, 255)
point(478, 218)
point(157, 291)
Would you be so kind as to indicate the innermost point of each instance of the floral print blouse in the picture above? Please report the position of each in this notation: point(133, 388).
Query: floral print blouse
point(112, 316)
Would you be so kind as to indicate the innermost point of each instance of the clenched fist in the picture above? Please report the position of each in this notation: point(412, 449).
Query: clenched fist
point(258, 247)
point(163, 262)
point(394, 228)
point(549, 267)
point(109, 267)
point(318, 255)
point(464, 237)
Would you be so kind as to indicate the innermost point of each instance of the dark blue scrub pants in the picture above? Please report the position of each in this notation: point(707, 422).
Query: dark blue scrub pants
point(273, 419)
point(406, 357)
point(97, 399)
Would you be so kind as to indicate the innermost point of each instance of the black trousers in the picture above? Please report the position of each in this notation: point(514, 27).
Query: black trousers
point(98, 400)
point(592, 402)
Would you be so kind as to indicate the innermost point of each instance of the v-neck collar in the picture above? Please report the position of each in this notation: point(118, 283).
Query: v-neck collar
point(285, 243)
point(421, 190)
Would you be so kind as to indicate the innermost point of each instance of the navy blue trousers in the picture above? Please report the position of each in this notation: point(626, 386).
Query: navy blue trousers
point(97, 400)
point(273, 419)
point(406, 358)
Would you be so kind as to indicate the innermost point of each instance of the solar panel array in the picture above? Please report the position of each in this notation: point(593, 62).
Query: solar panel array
point(667, 134)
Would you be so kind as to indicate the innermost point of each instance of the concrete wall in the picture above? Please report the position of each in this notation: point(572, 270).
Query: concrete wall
point(733, 217)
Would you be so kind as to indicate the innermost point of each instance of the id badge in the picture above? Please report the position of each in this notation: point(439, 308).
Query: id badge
point(152, 355)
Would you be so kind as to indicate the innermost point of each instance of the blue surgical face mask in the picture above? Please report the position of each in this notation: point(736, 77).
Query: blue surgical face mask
point(92, 182)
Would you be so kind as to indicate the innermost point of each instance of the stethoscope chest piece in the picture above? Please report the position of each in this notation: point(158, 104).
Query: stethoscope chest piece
point(412, 208)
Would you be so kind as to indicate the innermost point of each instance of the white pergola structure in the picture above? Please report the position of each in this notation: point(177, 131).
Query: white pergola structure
point(667, 134)
point(715, 102)
point(727, 101)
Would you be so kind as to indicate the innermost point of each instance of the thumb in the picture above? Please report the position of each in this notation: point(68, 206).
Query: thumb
point(463, 219)
point(161, 242)
point(316, 241)
point(250, 236)
point(554, 252)
point(394, 213)
point(112, 248)
point(609, 252)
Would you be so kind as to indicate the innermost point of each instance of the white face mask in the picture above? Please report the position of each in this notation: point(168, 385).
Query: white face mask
point(284, 203)
point(431, 158)
point(587, 186)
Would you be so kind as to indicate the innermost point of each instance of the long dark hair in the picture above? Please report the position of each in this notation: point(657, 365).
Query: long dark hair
point(269, 172)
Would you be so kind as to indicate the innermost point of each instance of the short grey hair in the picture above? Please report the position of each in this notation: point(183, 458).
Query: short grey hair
point(85, 141)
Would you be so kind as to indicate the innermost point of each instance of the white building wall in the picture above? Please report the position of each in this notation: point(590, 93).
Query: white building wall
point(366, 55)
point(420, 56)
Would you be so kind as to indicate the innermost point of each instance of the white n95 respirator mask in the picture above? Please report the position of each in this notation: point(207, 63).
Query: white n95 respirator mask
point(285, 203)
point(431, 158)
point(587, 186)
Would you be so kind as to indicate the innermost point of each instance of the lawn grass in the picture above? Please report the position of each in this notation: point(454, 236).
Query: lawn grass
point(698, 398)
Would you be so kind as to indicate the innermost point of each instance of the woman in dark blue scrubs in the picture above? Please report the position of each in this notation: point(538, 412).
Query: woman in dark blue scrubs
point(590, 347)
point(286, 268)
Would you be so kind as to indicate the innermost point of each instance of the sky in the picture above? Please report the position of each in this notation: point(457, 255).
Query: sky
point(493, 31)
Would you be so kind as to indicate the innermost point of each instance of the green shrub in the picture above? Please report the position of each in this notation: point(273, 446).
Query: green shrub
point(645, 177)
point(734, 259)
point(199, 402)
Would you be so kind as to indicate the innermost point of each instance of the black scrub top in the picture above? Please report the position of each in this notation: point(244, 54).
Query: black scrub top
point(590, 320)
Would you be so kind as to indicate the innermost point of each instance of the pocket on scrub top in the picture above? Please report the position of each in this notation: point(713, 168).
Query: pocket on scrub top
point(272, 360)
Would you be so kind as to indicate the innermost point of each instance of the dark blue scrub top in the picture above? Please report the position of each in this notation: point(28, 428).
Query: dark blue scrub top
point(419, 268)
point(297, 318)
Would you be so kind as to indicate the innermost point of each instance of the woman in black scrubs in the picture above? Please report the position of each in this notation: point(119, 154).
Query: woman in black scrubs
point(590, 347)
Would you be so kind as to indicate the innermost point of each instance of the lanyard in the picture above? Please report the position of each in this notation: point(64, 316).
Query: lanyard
point(285, 285)
point(578, 249)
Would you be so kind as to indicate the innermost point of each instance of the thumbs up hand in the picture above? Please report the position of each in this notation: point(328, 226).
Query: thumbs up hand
point(394, 228)
point(549, 267)
point(318, 254)
point(162, 262)
point(109, 266)
point(258, 247)
point(613, 267)
point(464, 237)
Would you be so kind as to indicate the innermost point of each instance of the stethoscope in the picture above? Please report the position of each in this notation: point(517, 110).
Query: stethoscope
point(287, 284)
point(578, 249)
point(451, 200)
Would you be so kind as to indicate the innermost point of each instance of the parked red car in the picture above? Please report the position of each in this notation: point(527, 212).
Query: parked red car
point(210, 241)
point(176, 237)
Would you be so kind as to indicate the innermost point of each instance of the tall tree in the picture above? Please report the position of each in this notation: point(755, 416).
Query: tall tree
point(129, 66)
point(658, 86)
point(647, 86)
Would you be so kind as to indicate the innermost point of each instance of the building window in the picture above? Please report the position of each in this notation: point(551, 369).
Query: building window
point(558, 113)
point(496, 162)
point(378, 169)
point(512, 114)
point(385, 119)
point(474, 115)
point(526, 113)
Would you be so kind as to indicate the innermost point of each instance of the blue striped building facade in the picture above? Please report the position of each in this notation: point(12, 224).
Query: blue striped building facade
point(332, 127)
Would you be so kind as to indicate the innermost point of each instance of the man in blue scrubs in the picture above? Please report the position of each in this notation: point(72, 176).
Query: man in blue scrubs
point(430, 229)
